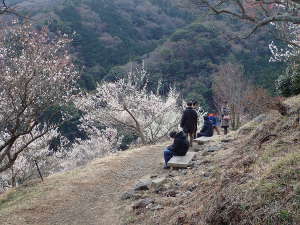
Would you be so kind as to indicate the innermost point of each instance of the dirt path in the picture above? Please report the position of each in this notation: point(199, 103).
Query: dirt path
point(85, 196)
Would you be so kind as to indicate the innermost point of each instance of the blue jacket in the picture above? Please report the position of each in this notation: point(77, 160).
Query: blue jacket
point(213, 120)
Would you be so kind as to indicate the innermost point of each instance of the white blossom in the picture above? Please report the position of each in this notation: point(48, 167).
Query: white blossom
point(36, 73)
point(128, 104)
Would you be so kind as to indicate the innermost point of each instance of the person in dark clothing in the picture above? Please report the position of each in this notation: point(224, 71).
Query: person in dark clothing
point(189, 121)
point(195, 107)
point(179, 147)
point(207, 129)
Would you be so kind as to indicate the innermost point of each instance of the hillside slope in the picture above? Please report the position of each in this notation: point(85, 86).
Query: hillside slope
point(191, 55)
point(108, 32)
point(250, 177)
point(254, 180)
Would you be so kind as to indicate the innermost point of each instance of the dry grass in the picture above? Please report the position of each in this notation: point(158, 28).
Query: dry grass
point(250, 183)
point(270, 195)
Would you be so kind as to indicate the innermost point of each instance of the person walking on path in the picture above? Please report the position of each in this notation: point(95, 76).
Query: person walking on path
point(225, 117)
point(214, 121)
point(207, 129)
point(189, 121)
point(179, 147)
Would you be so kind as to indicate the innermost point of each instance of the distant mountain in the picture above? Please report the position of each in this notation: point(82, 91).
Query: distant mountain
point(177, 47)
point(108, 32)
point(190, 56)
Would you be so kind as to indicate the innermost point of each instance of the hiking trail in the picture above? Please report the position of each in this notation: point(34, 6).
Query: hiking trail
point(85, 196)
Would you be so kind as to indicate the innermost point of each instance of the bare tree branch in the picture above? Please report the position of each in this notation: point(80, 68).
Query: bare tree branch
point(257, 12)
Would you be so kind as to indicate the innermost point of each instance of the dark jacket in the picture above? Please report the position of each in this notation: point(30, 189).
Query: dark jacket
point(180, 145)
point(207, 129)
point(189, 120)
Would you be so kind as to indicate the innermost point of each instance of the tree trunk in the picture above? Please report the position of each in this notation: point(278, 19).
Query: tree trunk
point(233, 115)
point(13, 177)
point(137, 126)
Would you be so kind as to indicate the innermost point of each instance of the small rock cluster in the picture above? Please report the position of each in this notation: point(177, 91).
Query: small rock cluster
point(163, 192)
point(154, 183)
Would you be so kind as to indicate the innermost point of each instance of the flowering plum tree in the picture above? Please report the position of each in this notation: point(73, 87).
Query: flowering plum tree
point(128, 104)
point(36, 73)
point(36, 154)
point(100, 143)
point(288, 83)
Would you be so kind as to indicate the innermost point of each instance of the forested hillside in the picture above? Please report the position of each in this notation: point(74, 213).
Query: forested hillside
point(108, 33)
point(192, 54)
point(178, 47)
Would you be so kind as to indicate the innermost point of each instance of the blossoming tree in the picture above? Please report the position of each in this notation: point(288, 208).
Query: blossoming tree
point(288, 83)
point(36, 73)
point(128, 104)
point(100, 142)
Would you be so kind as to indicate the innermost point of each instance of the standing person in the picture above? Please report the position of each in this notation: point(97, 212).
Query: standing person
point(189, 121)
point(214, 121)
point(207, 129)
point(225, 117)
point(195, 107)
point(179, 147)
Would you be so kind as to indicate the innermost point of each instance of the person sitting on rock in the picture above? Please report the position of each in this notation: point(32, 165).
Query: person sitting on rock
point(207, 129)
point(179, 147)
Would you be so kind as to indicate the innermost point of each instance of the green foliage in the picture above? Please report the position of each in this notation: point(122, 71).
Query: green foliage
point(111, 33)
point(192, 54)
point(288, 84)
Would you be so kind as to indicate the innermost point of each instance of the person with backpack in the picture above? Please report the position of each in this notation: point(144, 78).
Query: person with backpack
point(179, 147)
point(189, 121)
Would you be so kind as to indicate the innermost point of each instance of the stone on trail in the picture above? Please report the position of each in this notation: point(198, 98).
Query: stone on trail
point(130, 195)
point(143, 185)
point(213, 148)
point(158, 181)
point(155, 207)
point(142, 203)
point(181, 161)
point(203, 140)
point(149, 181)
point(227, 139)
